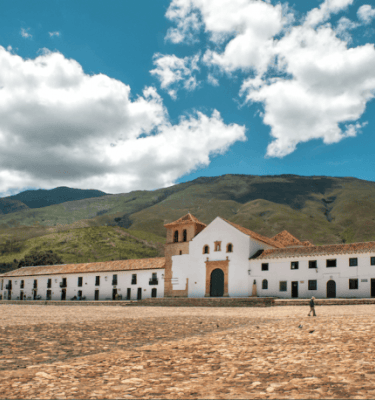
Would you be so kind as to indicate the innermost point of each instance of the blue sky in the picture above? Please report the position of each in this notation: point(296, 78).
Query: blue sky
point(123, 95)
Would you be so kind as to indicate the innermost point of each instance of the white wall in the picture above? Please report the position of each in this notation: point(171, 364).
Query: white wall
point(88, 286)
point(279, 270)
point(193, 265)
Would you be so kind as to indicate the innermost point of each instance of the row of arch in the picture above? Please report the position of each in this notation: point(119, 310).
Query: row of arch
point(206, 248)
point(184, 236)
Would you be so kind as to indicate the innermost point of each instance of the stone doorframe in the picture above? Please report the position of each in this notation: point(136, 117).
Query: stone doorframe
point(210, 266)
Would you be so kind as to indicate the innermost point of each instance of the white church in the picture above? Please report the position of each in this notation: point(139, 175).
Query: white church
point(221, 259)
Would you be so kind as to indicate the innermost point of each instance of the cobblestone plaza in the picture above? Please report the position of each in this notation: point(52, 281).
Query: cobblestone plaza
point(166, 352)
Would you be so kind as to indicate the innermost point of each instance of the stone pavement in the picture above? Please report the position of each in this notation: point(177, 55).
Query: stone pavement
point(148, 352)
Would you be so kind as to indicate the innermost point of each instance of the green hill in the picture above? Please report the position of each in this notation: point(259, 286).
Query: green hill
point(101, 243)
point(43, 198)
point(318, 208)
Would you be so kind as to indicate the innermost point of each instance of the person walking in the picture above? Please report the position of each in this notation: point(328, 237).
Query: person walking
point(312, 307)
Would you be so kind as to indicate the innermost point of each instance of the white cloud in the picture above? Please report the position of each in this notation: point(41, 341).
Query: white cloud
point(25, 33)
point(248, 25)
point(212, 80)
point(60, 126)
point(319, 15)
point(312, 86)
point(187, 19)
point(56, 33)
point(344, 25)
point(172, 70)
point(366, 13)
point(328, 85)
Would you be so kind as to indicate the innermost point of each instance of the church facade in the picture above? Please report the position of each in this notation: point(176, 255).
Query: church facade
point(221, 259)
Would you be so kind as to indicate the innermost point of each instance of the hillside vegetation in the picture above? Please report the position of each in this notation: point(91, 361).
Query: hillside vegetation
point(81, 245)
point(320, 209)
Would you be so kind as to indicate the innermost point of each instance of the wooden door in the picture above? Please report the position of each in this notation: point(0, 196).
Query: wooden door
point(295, 289)
point(217, 283)
point(372, 287)
point(331, 289)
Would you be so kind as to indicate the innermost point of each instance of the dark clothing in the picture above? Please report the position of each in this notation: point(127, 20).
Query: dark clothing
point(312, 309)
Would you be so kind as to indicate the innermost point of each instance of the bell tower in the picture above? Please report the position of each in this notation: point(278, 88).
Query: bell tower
point(179, 234)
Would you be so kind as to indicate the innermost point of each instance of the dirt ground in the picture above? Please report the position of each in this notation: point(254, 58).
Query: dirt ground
point(51, 352)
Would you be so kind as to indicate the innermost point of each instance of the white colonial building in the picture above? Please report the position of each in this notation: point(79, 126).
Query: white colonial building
point(220, 259)
point(125, 279)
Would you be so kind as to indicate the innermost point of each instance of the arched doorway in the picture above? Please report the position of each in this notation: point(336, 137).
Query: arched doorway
point(331, 289)
point(217, 283)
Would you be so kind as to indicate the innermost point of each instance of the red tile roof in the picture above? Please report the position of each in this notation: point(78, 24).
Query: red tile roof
point(254, 235)
point(286, 239)
point(186, 218)
point(105, 266)
point(310, 251)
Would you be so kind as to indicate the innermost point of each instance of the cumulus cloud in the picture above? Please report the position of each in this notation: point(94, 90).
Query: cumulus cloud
point(310, 83)
point(188, 22)
point(173, 71)
point(366, 14)
point(344, 26)
point(248, 25)
point(329, 85)
point(321, 14)
point(24, 33)
point(60, 126)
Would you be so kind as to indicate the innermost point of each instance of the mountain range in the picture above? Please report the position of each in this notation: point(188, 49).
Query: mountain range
point(320, 209)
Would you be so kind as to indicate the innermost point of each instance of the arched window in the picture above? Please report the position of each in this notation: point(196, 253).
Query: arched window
point(184, 234)
point(229, 248)
point(176, 236)
point(206, 250)
point(265, 284)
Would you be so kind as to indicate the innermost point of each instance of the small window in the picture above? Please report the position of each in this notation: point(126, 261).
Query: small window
point(353, 283)
point(97, 281)
point(313, 285)
point(353, 262)
point(22, 284)
point(294, 265)
point(283, 286)
point(230, 248)
point(217, 246)
point(80, 279)
point(206, 250)
point(331, 263)
point(134, 279)
point(175, 236)
point(35, 284)
point(372, 260)
point(154, 276)
point(313, 264)
point(49, 283)
point(264, 284)
point(114, 279)
point(184, 235)
point(265, 267)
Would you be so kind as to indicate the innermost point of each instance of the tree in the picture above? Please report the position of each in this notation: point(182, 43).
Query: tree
point(35, 258)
